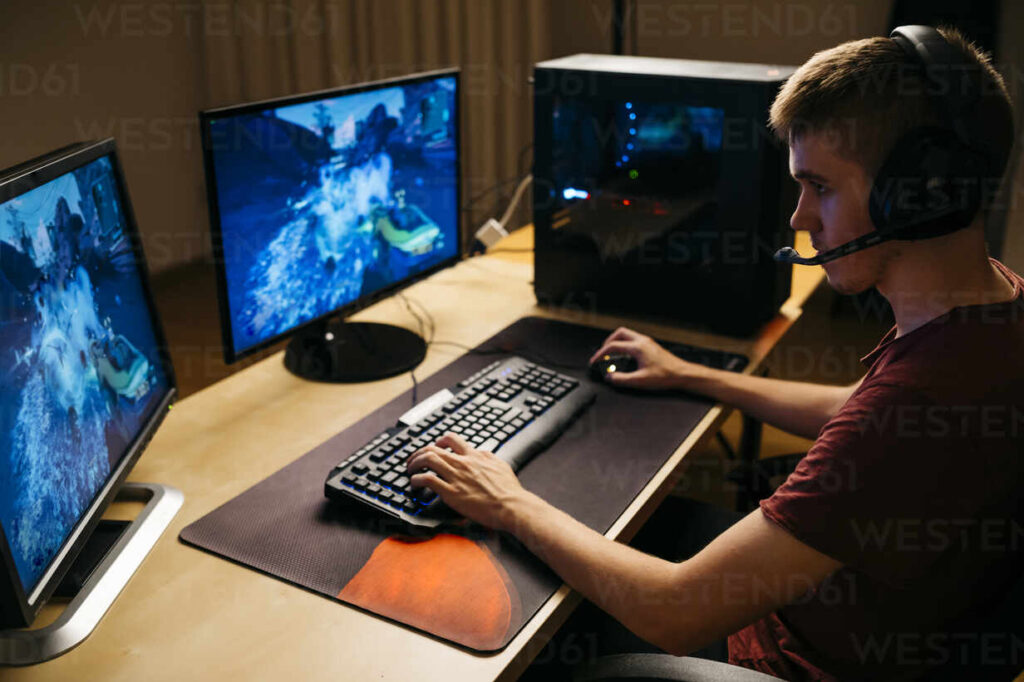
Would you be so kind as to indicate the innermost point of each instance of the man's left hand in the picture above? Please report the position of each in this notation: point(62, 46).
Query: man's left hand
point(474, 483)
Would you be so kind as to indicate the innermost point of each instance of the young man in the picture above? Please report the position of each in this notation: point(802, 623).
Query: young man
point(882, 553)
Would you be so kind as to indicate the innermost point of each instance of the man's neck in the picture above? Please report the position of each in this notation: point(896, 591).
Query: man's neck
point(919, 291)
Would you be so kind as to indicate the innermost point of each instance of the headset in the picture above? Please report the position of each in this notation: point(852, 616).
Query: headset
point(933, 180)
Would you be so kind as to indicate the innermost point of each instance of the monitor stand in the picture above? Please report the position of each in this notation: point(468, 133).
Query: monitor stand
point(351, 352)
point(101, 586)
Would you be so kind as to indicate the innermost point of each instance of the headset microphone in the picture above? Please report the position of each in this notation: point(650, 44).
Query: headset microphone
point(790, 255)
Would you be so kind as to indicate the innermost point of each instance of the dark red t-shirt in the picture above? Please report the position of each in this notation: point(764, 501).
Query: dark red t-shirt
point(916, 487)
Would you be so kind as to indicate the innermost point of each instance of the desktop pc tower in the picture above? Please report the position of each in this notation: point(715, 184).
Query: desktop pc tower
point(659, 190)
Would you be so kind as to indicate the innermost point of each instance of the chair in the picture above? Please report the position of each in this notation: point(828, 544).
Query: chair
point(640, 667)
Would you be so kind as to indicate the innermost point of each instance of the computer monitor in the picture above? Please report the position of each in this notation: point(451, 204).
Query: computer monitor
point(321, 204)
point(83, 363)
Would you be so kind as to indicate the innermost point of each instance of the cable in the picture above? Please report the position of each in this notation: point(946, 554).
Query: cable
point(520, 173)
point(524, 183)
point(468, 206)
point(429, 329)
point(493, 231)
point(500, 350)
point(419, 323)
point(521, 170)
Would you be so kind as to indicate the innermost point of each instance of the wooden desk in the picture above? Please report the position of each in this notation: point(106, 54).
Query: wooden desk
point(188, 615)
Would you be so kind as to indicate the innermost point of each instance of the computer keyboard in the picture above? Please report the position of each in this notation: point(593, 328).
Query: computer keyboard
point(513, 408)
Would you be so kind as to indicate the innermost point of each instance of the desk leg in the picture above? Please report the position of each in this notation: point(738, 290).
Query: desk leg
point(747, 476)
point(748, 494)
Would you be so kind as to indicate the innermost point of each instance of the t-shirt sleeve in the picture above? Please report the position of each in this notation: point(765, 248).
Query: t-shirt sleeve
point(864, 493)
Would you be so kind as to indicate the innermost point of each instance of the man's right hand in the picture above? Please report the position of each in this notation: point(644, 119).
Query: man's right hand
point(656, 367)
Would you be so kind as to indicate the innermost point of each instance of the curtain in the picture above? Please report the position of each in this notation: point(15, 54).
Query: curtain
point(258, 49)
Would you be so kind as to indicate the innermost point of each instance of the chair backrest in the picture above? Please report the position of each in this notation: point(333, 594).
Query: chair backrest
point(991, 648)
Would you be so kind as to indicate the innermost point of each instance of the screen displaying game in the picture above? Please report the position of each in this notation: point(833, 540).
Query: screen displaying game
point(79, 360)
point(324, 202)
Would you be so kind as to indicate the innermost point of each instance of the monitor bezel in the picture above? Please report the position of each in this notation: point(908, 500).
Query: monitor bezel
point(208, 116)
point(13, 183)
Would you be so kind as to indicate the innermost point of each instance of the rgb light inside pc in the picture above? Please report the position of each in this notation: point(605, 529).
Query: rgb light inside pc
point(323, 203)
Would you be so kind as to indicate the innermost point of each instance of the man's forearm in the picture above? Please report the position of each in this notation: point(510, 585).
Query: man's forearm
point(633, 587)
point(797, 407)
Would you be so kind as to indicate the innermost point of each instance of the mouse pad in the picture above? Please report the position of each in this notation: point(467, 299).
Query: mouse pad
point(468, 585)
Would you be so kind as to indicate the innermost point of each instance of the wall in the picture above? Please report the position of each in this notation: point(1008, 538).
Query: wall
point(71, 71)
point(141, 70)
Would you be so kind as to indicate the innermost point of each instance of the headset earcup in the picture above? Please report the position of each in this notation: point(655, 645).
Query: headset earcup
point(928, 171)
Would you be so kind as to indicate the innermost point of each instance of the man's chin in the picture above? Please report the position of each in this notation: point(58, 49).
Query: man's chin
point(844, 287)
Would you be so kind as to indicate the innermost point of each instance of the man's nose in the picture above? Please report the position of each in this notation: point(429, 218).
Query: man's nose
point(804, 219)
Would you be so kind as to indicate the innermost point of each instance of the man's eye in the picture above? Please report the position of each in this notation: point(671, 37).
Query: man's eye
point(818, 188)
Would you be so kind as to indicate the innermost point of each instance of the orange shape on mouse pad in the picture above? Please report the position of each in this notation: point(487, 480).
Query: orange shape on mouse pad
point(447, 585)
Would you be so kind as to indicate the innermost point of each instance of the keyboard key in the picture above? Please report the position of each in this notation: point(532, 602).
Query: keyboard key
point(378, 456)
point(360, 469)
point(385, 494)
point(424, 495)
point(510, 415)
point(490, 445)
point(400, 482)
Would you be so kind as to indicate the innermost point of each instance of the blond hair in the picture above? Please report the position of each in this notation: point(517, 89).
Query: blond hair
point(863, 95)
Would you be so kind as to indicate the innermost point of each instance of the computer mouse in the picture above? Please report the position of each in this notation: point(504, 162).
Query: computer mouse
point(612, 363)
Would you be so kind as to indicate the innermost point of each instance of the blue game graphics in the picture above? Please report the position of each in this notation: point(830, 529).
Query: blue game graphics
point(79, 360)
point(324, 202)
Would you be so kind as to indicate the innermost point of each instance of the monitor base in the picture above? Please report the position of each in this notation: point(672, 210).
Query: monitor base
point(100, 589)
point(352, 352)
